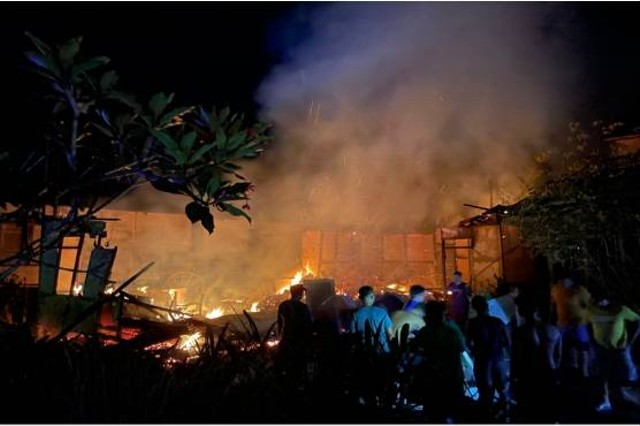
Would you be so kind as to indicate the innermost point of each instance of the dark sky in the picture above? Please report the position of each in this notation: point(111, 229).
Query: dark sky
point(218, 52)
point(205, 52)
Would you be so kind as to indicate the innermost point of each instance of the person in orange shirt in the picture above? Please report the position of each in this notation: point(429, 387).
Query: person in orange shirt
point(570, 303)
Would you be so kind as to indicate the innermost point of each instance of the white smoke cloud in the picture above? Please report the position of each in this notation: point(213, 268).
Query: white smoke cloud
point(392, 115)
point(388, 116)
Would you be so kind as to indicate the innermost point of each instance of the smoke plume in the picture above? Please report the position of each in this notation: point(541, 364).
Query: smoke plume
point(391, 116)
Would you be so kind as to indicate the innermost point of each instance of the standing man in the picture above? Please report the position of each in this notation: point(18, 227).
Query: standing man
point(373, 319)
point(570, 303)
point(613, 343)
point(372, 328)
point(294, 329)
point(439, 377)
point(489, 343)
point(459, 294)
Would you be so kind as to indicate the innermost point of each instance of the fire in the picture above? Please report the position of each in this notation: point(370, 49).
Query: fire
point(297, 279)
point(77, 289)
point(215, 313)
point(273, 343)
point(190, 342)
point(254, 307)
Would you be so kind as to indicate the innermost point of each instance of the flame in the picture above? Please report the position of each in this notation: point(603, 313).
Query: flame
point(297, 279)
point(307, 269)
point(190, 342)
point(215, 313)
point(254, 307)
point(273, 343)
point(77, 289)
point(172, 293)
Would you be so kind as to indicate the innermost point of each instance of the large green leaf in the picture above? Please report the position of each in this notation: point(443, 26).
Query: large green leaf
point(221, 139)
point(68, 51)
point(195, 211)
point(40, 45)
point(207, 221)
point(187, 141)
point(44, 63)
point(159, 102)
point(108, 80)
point(89, 65)
point(230, 208)
point(197, 156)
point(166, 140)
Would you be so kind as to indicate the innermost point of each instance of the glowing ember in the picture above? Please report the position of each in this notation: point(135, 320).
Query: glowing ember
point(272, 343)
point(190, 342)
point(172, 294)
point(254, 307)
point(77, 289)
point(215, 313)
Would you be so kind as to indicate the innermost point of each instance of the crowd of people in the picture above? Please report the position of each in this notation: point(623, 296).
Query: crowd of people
point(500, 352)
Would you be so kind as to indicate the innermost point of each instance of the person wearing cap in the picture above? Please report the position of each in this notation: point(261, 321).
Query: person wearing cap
point(294, 329)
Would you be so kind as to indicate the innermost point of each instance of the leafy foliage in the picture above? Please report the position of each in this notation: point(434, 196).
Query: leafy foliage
point(88, 142)
point(586, 215)
point(100, 140)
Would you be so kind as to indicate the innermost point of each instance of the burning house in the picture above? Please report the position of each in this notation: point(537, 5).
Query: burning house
point(219, 277)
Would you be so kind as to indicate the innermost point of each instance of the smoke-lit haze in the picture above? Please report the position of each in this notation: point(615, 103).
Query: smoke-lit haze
point(387, 117)
point(392, 115)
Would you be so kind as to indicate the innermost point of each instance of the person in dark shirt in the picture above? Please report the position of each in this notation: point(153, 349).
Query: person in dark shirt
point(439, 376)
point(488, 341)
point(294, 329)
point(535, 359)
point(459, 294)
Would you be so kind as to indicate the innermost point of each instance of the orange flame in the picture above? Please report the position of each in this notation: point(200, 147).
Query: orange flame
point(77, 289)
point(215, 313)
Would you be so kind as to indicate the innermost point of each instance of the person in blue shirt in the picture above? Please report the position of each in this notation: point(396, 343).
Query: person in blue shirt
point(377, 318)
point(417, 296)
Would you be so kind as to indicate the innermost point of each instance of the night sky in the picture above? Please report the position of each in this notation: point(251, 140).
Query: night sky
point(209, 53)
point(217, 53)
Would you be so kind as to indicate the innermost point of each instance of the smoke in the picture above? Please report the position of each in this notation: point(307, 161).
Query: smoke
point(388, 117)
point(391, 116)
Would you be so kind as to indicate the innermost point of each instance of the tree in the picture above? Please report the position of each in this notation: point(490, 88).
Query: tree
point(585, 212)
point(90, 142)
